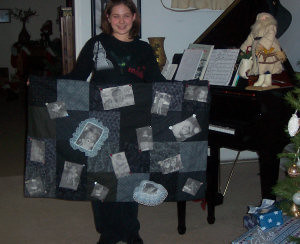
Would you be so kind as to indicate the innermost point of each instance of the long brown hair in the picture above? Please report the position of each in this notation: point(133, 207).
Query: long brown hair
point(106, 26)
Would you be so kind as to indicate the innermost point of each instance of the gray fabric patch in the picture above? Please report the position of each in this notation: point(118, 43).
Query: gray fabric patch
point(193, 156)
point(175, 89)
point(111, 120)
point(126, 186)
point(160, 152)
point(102, 162)
point(75, 94)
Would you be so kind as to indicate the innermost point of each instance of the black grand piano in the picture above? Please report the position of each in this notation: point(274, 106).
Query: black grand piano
point(241, 119)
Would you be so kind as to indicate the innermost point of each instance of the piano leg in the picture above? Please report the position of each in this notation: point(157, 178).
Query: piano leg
point(181, 210)
point(213, 196)
point(269, 171)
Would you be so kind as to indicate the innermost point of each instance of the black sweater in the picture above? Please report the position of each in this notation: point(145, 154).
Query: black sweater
point(111, 60)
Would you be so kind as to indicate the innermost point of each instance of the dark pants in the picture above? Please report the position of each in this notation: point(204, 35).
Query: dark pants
point(116, 221)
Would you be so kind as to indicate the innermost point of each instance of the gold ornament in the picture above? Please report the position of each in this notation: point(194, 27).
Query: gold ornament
point(293, 171)
point(295, 210)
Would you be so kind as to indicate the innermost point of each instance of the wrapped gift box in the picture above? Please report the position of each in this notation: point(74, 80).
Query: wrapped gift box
point(275, 235)
point(268, 218)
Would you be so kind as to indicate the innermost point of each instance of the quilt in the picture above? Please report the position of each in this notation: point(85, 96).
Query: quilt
point(117, 142)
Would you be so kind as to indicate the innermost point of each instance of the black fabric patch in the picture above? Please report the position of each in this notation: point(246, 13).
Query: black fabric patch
point(65, 127)
point(181, 180)
point(108, 180)
point(139, 162)
point(160, 126)
point(39, 123)
point(138, 115)
point(168, 182)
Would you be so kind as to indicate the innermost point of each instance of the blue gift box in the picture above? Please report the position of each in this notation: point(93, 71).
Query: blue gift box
point(267, 218)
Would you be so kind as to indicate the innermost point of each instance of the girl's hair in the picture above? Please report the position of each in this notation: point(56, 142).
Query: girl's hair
point(106, 26)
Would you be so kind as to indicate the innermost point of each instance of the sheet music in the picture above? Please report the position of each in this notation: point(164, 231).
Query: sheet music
point(207, 50)
point(220, 66)
point(169, 70)
point(189, 63)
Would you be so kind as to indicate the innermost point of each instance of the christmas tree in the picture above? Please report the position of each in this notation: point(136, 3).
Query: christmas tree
point(288, 189)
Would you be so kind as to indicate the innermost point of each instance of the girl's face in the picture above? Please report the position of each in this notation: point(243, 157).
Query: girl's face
point(121, 20)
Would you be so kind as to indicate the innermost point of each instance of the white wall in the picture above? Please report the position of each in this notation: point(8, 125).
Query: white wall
point(291, 38)
point(82, 12)
point(179, 28)
point(9, 32)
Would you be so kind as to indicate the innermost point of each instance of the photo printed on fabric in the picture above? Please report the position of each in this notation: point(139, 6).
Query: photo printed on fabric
point(57, 110)
point(120, 164)
point(160, 152)
point(174, 89)
point(71, 175)
point(186, 128)
point(117, 97)
point(89, 137)
point(35, 186)
point(196, 93)
point(99, 192)
point(145, 138)
point(170, 165)
point(101, 62)
point(149, 193)
point(192, 186)
point(37, 151)
point(161, 103)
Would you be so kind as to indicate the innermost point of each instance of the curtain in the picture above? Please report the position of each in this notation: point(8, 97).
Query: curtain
point(201, 4)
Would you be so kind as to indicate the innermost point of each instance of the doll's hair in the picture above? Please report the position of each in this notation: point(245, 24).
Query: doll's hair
point(106, 26)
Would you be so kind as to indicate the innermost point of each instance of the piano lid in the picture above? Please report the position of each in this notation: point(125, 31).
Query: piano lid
point(232, 27)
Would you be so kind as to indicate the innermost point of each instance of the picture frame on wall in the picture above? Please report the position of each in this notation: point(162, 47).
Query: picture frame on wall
point(97, 8)
point(5, 16)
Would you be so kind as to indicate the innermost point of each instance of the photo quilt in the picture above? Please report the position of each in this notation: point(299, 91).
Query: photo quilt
point(116, 142)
